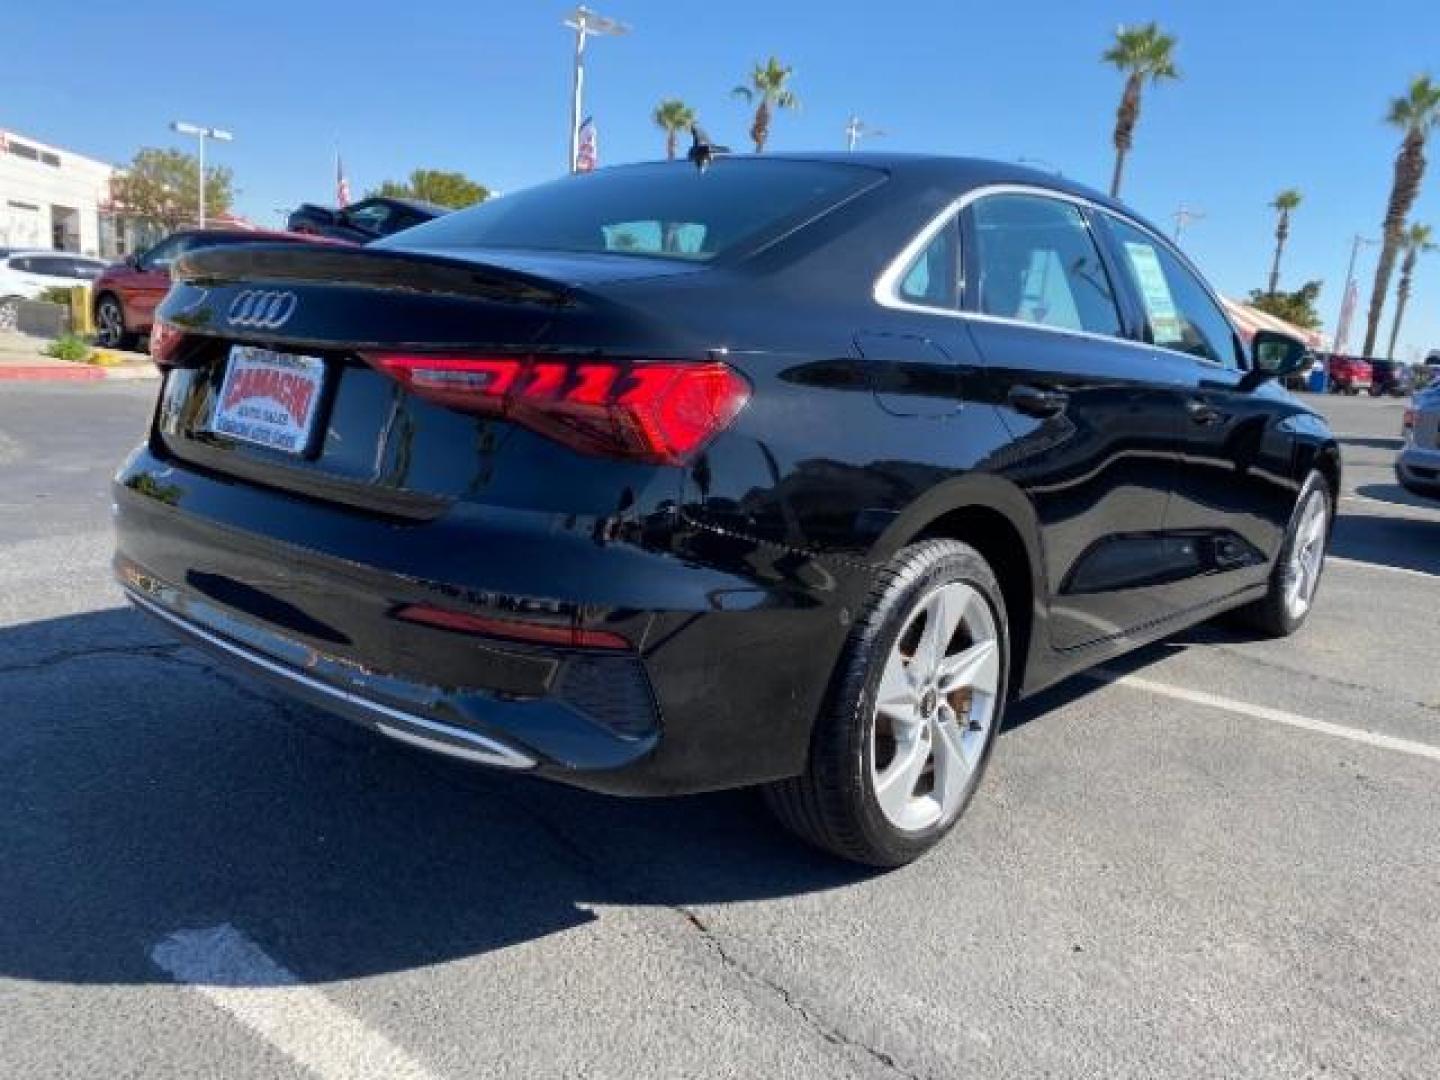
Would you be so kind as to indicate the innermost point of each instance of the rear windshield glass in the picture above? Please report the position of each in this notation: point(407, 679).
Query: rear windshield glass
point(672, 210)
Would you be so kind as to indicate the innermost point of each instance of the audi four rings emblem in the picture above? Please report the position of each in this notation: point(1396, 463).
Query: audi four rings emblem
point(261, 309)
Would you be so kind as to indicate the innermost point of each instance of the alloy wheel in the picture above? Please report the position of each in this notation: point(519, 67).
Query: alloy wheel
point(1307, 556)
point(935, 708)
point(110, 324)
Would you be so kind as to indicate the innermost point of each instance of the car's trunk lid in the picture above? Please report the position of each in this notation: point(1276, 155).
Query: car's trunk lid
point(370, 443)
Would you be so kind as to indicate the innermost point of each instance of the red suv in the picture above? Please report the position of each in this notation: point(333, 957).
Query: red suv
point(126, 293)
point(1349, 374)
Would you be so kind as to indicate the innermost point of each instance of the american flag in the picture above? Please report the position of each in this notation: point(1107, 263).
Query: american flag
point(587, 155)
point(1347, 312)
point(342, 186)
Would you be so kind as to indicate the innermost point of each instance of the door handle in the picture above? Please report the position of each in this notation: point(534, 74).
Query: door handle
point(1037, 400)
point(1201, 412)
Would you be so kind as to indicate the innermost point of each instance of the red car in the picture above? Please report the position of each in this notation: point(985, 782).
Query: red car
point(125, 294)
point(1349, 374)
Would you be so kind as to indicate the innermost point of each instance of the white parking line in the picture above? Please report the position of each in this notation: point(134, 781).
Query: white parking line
point(233, 973)
point(1275, 716)
point(1363, 565)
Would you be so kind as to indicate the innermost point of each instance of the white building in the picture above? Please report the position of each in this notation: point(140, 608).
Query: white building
point(52, 198)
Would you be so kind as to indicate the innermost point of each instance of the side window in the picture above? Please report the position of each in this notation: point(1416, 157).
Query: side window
point(1037, 262)
point(50, 265)
point(932, 279)
point(371, 217)
point(162, 254)
point(1181, 313)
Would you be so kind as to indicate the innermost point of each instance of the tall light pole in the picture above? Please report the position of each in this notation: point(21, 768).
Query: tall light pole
point(585, 23)
point(1347, 307)
point(856, 129)
point(202, 133)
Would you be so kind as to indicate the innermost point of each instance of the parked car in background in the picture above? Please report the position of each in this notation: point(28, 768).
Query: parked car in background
point(1348, 374)
point(25, 274)
point(1418, 465)
point(364, 221)
point(653, 481)
point(125, 295)
point(1390, 377)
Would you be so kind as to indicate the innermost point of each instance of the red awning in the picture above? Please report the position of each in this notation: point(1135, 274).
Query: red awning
point(1248, 319)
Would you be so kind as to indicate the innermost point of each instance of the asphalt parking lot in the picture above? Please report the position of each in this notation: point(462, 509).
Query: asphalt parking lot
point(1220, 860)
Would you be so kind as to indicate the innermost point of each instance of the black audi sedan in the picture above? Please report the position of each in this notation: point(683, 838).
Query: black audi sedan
point(788, 471)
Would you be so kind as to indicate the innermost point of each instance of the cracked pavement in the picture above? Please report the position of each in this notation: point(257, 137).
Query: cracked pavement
point(1144, 887)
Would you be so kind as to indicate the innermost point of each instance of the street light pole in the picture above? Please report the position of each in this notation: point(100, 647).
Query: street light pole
point(585, 23)
point(856, 129)
point(202, 133)
point(1183, 217)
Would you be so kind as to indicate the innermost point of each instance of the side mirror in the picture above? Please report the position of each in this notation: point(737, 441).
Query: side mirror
point(132, 260)
point(1274, 356)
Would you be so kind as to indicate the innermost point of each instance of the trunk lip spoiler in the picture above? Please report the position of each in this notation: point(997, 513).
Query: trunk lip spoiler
point(367, 268)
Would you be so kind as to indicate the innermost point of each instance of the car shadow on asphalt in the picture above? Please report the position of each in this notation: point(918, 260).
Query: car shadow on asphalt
point(1406, 543)
point(1394, 493)
point(147, 792)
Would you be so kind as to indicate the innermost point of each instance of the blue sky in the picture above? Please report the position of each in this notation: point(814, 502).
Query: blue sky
point(1275, 94)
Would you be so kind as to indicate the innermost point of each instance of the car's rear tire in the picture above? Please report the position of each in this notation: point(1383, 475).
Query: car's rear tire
point(912, 712)
point(110, 329)
point(1298, 568)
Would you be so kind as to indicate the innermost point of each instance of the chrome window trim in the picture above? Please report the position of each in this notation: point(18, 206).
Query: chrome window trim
point(886, 289)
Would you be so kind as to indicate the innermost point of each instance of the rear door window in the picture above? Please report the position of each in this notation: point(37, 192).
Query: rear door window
point(670, 209)
point(1037, 262)
point(1180, 310)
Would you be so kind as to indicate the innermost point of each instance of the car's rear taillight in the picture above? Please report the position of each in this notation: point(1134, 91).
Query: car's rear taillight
point(164, 343)
point(649, 410)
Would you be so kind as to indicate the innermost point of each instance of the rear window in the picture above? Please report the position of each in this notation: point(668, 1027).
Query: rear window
point(671, 210)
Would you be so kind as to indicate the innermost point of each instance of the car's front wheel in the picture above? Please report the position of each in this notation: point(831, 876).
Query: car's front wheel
point(912, 713)
point(1296, 575)
point(110, 329)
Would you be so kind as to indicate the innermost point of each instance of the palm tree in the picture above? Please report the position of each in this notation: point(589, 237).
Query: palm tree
point(1144, 54)
point(767, 83)
point(1417, 242)
point(674, 116)
point(1416, 113)
point(1285, 202)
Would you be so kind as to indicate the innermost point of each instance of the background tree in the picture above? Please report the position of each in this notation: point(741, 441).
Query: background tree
point(1283, 204)
point(1296, 307)
point(673, 116)
point(452, 189)
point(768, 85)
point(1416, 113)
point(1145, 55)
point(1418, 241)
point(162, 187)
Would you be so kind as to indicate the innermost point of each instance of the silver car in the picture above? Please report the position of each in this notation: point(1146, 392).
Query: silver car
point(1418, 466)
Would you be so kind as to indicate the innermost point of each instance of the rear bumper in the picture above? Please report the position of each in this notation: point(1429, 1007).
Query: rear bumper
point(1418, 470)
point(354, 703)
point(732, 644)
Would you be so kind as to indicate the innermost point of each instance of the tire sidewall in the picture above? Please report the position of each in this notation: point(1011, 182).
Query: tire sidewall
point(953, 562)
point(1315, 487)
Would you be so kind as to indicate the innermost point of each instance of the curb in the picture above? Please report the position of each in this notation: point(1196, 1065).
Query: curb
point(49, 373)
point(73, 373)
